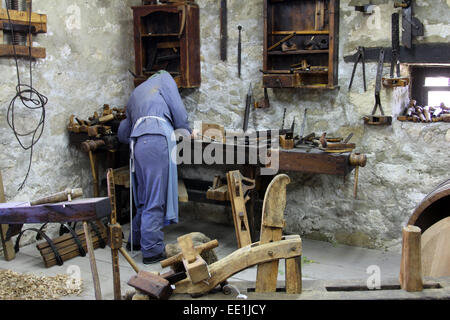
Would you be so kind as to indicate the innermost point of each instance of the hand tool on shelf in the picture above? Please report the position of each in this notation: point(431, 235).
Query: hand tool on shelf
point(359, 58)
point(395, 80)
point(382, 119)
point(288, 37)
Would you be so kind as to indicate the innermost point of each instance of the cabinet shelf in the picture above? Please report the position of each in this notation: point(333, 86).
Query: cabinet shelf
point(316, 25)
point(158, 30)
point(300, 32)
point(282, 53)
point(147, 35)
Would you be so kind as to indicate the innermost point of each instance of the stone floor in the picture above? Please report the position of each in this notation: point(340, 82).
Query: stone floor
point(324, 265)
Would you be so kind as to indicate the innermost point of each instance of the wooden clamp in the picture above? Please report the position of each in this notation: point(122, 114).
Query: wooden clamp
point(37, 23)
point(195, 266)
point(7, 244)
point(237, 193)
point(272, 224)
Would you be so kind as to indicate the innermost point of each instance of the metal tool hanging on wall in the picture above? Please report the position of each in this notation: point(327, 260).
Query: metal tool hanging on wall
point(239, 51)
point(412, 27)
point(395, 80)
point(382, 119)
point(223, 30)
point(359, 58)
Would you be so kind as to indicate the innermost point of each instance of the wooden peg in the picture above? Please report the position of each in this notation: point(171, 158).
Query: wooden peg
point(411, 263)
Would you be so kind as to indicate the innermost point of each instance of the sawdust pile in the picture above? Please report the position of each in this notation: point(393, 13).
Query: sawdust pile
point(16, 286)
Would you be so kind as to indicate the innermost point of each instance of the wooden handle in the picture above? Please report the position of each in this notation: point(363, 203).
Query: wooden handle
point(179, 257)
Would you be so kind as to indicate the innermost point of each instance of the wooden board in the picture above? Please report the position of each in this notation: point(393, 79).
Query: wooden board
point(76, 210)
point(272, 225)
point(21, 51)
point(39, 21)
point(436, 250)
point(243, 258)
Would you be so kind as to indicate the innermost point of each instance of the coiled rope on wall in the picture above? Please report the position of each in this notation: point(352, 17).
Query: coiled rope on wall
point(29, 97)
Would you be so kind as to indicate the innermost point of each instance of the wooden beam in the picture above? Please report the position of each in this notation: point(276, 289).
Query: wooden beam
point(411, 263)
point(76, 210)
point(419, 53)
point(39, 21)
point(22, 51)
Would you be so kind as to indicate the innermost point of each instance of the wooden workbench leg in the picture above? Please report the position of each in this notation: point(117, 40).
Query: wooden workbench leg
point(8, 247)
point(90, 247)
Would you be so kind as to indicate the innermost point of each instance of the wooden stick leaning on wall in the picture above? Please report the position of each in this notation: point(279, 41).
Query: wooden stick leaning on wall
point(8, 246)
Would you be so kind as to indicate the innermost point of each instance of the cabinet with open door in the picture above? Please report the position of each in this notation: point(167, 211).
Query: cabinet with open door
point(167, 37)
point(301, 44)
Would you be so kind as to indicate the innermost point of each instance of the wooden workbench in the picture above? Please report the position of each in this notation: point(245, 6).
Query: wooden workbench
point(305, 159)
point(83, 210)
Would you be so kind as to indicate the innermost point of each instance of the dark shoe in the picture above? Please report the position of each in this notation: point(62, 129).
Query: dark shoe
point(154, 259)
point(136, 247)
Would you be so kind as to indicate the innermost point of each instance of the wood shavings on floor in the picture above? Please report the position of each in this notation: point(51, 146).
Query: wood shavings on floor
point(16, 286)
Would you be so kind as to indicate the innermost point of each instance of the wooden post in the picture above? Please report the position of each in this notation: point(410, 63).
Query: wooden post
point(90, 247)
point(8, 247)
point(293, 275)
point(411, 263)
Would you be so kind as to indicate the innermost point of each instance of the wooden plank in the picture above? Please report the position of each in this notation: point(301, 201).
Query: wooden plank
point(76, 210)
point(411, 263)
point(243, 258)
point(272, 230)
point(23, 17)
point(22, 51)
point(182, 191)
point(435, 250)
point(293, 269)
point(419, 53)
point(314, 162)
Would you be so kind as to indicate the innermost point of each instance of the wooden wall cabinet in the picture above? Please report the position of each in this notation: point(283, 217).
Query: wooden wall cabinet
point(311, 58)
point(167, 37)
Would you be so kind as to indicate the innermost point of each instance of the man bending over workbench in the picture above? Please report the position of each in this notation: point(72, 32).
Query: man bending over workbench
point(154, 111)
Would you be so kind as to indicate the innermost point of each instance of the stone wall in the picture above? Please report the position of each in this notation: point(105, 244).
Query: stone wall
point(89, 50)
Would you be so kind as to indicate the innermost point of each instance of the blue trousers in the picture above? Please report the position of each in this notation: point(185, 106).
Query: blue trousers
point(152, 175)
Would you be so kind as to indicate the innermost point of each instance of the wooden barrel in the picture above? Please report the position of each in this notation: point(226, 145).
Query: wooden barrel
point(433, 208)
